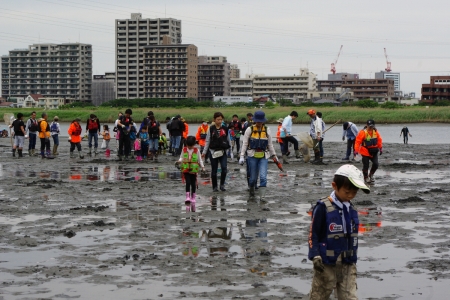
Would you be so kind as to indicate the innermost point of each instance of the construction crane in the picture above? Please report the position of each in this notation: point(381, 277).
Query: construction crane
point(333, 65)
point(388, 63)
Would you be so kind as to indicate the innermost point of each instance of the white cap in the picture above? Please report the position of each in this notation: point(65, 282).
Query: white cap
point(354, 175)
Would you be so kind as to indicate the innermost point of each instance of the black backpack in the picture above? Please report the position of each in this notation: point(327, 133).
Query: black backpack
point(34, 126)
point(175, 125)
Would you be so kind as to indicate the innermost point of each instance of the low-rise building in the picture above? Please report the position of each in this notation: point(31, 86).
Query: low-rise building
point(379, 90)
point(293, 88)
point(437, 89)
point(232, 99)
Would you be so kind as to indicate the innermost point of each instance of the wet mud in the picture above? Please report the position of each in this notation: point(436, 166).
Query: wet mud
point(98, 228)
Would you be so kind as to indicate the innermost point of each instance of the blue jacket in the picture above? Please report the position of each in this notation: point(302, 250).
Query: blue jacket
point(326, 236)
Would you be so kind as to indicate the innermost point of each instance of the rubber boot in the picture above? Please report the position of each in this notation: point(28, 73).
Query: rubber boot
point(132, 154)
point(223, 176)
point(42, 154)
point(30, 153)
point(297, 154)
point(119, 157)
point(33, 152)
point(214, 183)
point(80, 154)
point(155, 156)
point(95, 151)
point(316, 157)
point(193, 195)
point(107, 152)
point(90, 151)
point(55, 150)
point(262, 193)
point(20, 152)
point(252, 191)
point(72, 155)
point(14, 152)
point(188, 198)
point(48, 155)
point(285, 160)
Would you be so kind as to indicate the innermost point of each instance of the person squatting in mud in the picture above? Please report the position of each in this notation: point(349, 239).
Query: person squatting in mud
point(350, 131)
point(369, 143)
point(191, 161)
point(333, 237)
point(257, 142)
point(217, 142)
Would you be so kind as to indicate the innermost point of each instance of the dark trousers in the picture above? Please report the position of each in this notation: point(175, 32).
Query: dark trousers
point(45, 145)
point(215, 165)
point(321, 147)
point(350, 145)
point(124, 144)
point(366, 160)
point(73, 145)
point(32, 143)
point(405, 139)
point(238, 145)
point(144, 150)
point(285, 144)
point(191, 182)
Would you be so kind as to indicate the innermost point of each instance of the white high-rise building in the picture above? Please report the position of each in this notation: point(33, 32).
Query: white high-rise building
point(51, 70)
point(132, 35)
point(390, 75)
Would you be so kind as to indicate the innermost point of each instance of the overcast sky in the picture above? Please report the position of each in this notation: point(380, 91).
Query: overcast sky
point(261, 36)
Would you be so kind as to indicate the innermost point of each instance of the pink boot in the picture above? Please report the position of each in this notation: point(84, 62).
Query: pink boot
point(188, 198)
point(107, 152)
point(193, 198)
point(138, 158)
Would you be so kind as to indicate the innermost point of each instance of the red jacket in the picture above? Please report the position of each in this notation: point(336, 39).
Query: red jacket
point(363, 144)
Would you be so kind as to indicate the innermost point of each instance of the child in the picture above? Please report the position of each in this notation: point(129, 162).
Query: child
point(162, 144)
point(106, 138)
point(75, 137)
point(143, 136)
point(133, 135)
point(333, 237)
point(190, 160)
point(54, 131)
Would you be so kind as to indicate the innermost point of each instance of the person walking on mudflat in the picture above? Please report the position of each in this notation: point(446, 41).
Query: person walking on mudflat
point(257, 142)
point(350, 131)
point(217, 142)
point(333, 237)
point(286, 136)
point(369, 143)
point(19, 135)
point(405, 132)
point(315, 132)
point(74, 132)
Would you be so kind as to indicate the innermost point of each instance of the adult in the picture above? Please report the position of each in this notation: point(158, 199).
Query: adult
point(44, 136)
point(287, 137)
point(176, 129)
point(32, 130)
point(74, 132)
point(405, 132)
point(146, 120)
point(124, 125)
point(248, 123)
point(116, 129)
point(350, 131)
point(315, 131)
point(321, 123)
point(369, 143)
point(93, 129)
point(154, 132)
point(217, 142)
point(257, 142)
point(236, 126)
point(19, 135)
point(200, 137)
point(55, 130)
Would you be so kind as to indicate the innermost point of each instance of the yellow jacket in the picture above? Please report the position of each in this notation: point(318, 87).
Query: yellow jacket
point(45, 129)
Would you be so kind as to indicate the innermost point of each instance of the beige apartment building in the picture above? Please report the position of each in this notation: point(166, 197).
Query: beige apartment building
point(170, 71)
point(285, 87)
point(132, 35)
point(235, 71)
point(52, 70)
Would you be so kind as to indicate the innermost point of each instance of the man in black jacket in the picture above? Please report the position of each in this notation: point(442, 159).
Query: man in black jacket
point(176, 129)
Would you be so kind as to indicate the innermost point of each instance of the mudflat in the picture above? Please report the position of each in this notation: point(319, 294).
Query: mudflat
point(97, 228)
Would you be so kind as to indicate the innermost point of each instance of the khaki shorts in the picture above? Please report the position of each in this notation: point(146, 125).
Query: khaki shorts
point(19, 141)
point(324, 283)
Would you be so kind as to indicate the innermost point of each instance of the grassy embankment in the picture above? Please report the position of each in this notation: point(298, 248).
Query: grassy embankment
point(195, 115)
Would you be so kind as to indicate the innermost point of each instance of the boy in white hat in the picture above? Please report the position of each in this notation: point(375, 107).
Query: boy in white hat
point(333, 237)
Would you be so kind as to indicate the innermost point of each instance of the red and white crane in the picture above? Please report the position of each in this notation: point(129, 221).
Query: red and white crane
point(333, 65)
point(388, 63)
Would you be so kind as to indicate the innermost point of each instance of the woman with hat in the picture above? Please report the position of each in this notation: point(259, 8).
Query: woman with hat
point(257, 142)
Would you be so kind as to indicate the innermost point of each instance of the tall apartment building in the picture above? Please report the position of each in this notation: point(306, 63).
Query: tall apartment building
point(286, 87)
point(103, 88)
point(374, 89)
point(213, 78)
point(52, 70)
point(437, 89)
point(235, 71)
point(170, 72)
point(390, 75)
point(132, 35)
